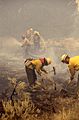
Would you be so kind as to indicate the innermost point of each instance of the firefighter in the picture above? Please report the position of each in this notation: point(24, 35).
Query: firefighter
point(36, 40)
point(28, 33)
point(27, 41)
point(73, 64)
point(27, 37)
point(34, 66)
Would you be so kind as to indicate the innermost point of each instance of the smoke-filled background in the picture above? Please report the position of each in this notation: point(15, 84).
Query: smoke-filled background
point(56, 20)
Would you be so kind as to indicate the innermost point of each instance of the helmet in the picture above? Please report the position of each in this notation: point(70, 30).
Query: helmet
point(31, 29)
point(63, 57)
point(36, 33)
point(48, 60)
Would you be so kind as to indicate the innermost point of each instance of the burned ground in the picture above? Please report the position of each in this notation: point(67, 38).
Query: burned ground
point(49, 97)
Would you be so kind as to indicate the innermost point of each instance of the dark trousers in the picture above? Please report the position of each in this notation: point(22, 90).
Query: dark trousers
point(31, 76)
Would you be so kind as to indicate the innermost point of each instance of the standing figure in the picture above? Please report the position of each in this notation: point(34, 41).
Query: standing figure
point(27, 37)
point(27, 40)
point(36, 40)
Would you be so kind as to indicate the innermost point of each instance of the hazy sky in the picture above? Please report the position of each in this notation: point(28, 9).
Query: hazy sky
point(53, 18)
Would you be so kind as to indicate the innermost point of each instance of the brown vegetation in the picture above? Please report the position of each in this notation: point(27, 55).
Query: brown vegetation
point(38, 103)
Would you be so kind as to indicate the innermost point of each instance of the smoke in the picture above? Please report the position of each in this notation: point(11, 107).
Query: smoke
point(57, 19)
point(10, 46)
point(11, 53)
point(77, 1)
point(54, 21)
point(75, 33)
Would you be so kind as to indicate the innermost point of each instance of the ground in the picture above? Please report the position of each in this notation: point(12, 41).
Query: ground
point(53, 99)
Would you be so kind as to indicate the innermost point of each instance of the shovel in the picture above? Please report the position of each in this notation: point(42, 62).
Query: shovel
point(53, 70)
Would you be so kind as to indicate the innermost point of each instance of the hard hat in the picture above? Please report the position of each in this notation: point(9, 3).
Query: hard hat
point(31, 29)
point(63, 57)
point(36, 33)
point(48, 60)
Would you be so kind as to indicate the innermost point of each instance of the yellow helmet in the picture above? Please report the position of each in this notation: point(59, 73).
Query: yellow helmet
point(63, 57)
point(48, 60)
point(36, 33)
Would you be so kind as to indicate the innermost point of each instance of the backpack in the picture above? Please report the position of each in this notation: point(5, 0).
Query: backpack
point(27, 62)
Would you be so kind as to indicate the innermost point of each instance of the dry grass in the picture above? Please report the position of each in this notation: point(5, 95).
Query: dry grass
point(23, 107)
point(23, 110)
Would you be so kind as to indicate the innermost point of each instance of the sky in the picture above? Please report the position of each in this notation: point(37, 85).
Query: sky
point(52, 18)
